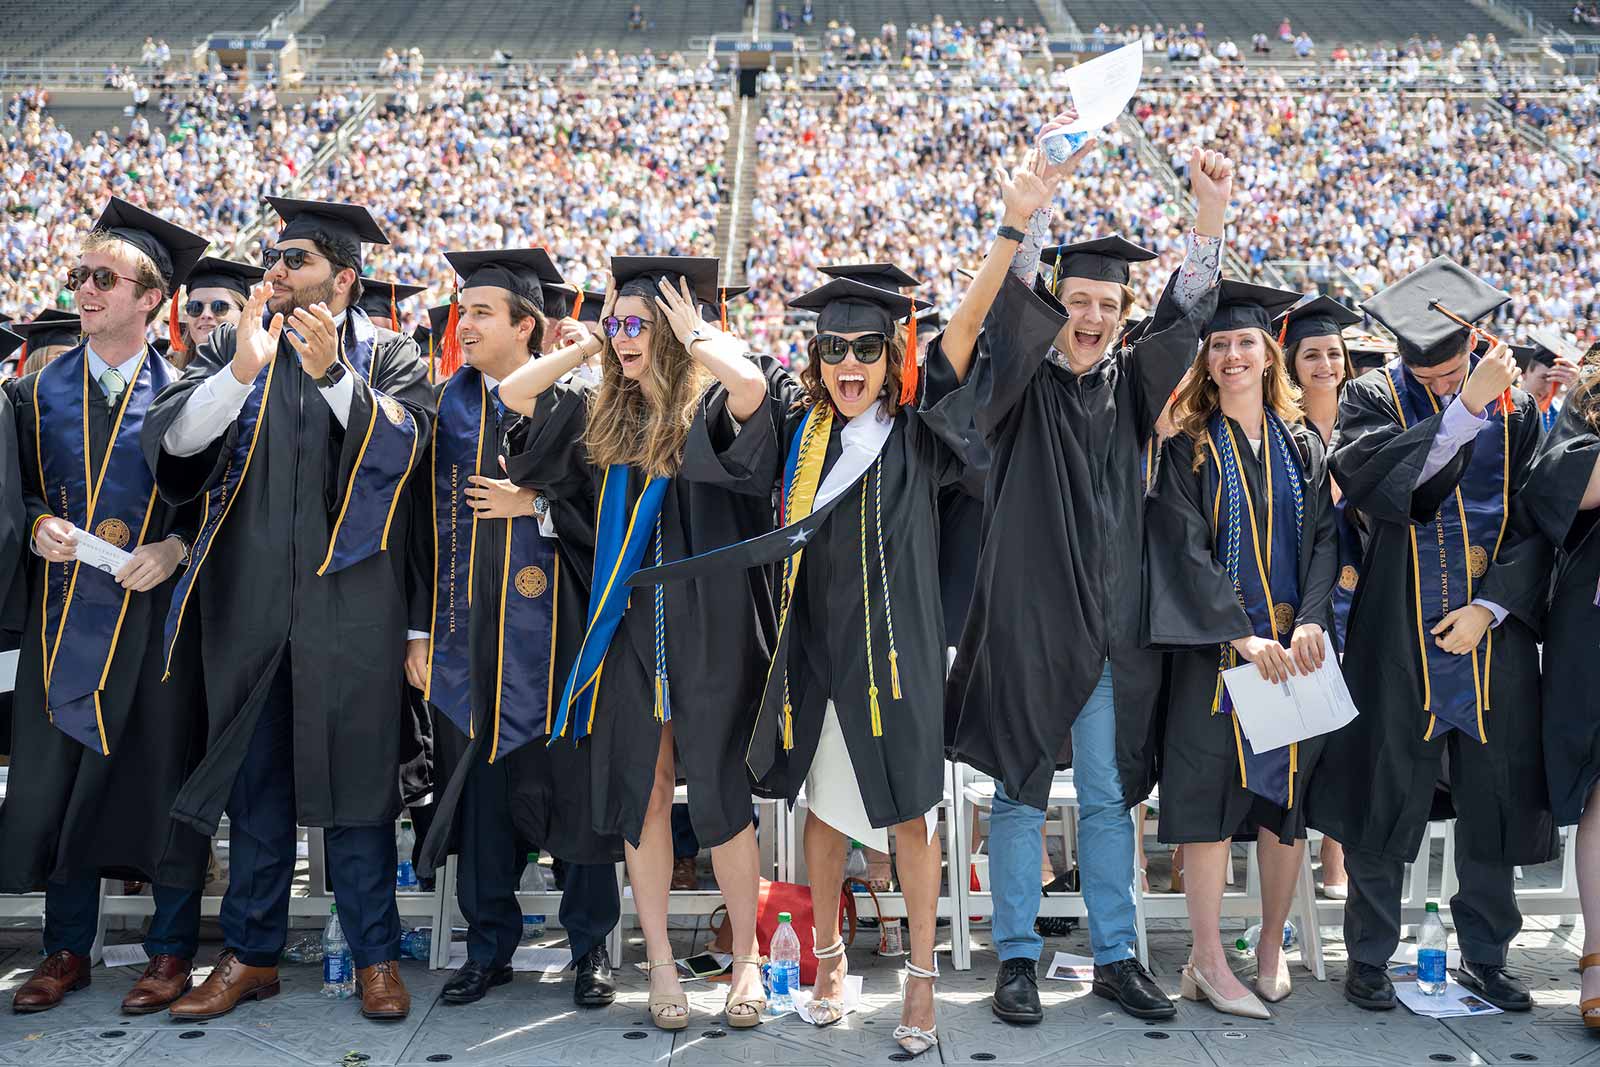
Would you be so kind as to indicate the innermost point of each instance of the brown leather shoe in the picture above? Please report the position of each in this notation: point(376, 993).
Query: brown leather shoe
point(383, 995)
point(229, 983)
point(685, 875)
point(60, 974)
point(164, 981)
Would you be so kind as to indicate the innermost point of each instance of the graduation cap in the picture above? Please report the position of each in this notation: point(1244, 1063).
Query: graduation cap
point(343, 227)
point(1431, 310)
point(1104, 259)
point(1244, 304)
point(382, 298)
point(587, 305)
point(10, 342)
point(847, 305)
point(882, 275)
point(1321, 316)
point(523, 271)
point(214, 273)
point(1547, 347)
point(52, 327)
point(173, 249)
point(428, 336)
point(1368, 351)
point(720, 312)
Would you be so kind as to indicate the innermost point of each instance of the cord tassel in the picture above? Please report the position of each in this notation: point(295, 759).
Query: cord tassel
point(577, 305)
point(908, 366)
point(722, 308)
point(788, 726)
point(894, 673)
point(394, 308)
point(877, 719)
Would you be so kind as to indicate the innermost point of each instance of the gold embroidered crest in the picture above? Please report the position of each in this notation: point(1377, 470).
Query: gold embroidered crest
point(531, 582)
point(392, 410)
point(1477, 561)
point(1283, 618)
point(113, 532)
point(1349, 578)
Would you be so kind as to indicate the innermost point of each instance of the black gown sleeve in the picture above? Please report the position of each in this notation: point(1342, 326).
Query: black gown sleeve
point(1560, 475)
point(1189, 599)
point(1377, 462)
point(419, 549)
point(1316, 591)
point(1013, 344)
point(944, 420)
point(745, 459)
point(180, 479)
point(1519, 578)
point(1166, 349)
point(545, 450)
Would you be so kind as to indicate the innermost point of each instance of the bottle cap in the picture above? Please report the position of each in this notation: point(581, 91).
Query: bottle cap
point(333, 909)
point(1431, 907)
point(533, 857)
point(783, 917)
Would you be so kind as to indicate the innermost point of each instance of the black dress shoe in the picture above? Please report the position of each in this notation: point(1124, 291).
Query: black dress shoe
point(1016, 993)
point(1369, 987)
point(594, 986)
point(1491, 982)
point(1131, 986)
point(472, 982)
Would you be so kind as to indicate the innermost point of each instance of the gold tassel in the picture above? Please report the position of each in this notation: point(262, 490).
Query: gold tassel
point(894, 673)
point(877, 721)
point(788, 726)
point(659, 708)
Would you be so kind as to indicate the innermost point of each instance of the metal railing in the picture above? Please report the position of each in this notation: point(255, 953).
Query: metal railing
point(1327, 278)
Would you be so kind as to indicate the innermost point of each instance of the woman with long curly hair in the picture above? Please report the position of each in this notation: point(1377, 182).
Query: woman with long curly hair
point(666, 680)
point(1239, 567)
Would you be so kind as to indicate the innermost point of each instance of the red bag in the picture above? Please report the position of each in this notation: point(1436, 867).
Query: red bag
point(796, 900)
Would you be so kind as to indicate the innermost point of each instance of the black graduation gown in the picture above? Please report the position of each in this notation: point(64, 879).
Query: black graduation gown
point(71, 812)
point(13, 544)
point(259, 603)
point(719, 630)
point(1572, 630)
point(901, 771)
point(1057, 589)
point(548, 786)
point(1192, 608)
point(1377, 790)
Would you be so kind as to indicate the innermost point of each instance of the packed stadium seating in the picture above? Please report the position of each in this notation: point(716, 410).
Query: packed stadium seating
point(1328, 21)
point(868, 15)
point(114, 30)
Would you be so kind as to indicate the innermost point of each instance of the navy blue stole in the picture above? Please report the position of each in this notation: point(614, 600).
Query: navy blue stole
point(1350, 560)
point(361, 529)
point(1265, 569)
point(83, 607)
point(1451, 553)
point(525, 610)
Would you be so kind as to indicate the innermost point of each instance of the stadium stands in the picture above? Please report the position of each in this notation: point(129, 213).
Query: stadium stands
point(867, 16)
point(114, 30)
point(1328, 21)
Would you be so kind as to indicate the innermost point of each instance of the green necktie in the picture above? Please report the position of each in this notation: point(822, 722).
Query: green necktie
point(112, 385)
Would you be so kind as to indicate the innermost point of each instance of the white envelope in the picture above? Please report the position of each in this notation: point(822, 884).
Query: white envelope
point(1307, 705)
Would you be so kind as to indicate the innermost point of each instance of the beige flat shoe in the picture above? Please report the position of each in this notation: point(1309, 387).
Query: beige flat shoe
point(1195, 987)
point(1274, 987)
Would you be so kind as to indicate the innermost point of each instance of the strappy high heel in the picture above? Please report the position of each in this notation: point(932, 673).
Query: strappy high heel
point(661, 1003)
point(743, 1013)
point(825, 1011)
point(914, 1040)
point(1590, 1022)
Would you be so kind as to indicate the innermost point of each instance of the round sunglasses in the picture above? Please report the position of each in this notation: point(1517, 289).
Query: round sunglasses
point(631, 325)
point(831, 348)
point(105, 279)
point(195, 308)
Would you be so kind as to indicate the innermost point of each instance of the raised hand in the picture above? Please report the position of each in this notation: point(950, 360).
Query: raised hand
point(317, 342)
point(1211, 181)
point(1026, 191)
point(1494, 374)
point(678, 305)
point(1058, 171)
point(256, 344)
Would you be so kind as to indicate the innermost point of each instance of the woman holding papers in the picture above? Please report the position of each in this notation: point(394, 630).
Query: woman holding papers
point(1240, 562)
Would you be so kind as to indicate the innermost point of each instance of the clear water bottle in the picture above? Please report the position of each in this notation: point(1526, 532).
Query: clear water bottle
point(533, 881)
point(416, 944)
point(338, 969)
point(1246, 945)
point(785, 968)
point(405, 874)
point(855, 865)
point(1433, 947)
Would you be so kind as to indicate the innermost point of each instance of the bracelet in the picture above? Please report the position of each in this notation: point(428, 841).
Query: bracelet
point(1010, 233)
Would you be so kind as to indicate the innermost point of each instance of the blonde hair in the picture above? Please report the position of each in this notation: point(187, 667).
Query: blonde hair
point(1198, 397)
point(644, 423)
point(145, 273)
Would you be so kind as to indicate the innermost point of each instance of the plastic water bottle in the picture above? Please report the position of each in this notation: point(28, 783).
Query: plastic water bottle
point(1433, 947)
point(416, 944)
point(1246, 945)
point(855, 865)
point(533, 881)
point(405, 874)
point(338, 969)
point(1060, 145)
point(785, 968)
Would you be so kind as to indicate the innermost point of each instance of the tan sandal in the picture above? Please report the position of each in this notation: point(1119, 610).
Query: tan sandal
point(743, 1013)
point(1591, 1022)
point(825, 1011)
point(660, 1004)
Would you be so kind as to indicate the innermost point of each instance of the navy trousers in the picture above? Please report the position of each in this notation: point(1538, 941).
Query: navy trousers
point(72, 908)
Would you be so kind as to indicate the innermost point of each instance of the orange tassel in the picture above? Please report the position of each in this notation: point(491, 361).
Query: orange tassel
point(908, 368)
point(174, 327)
point(450, 361)
point(1283, 331)
point(722, 303)
point(577, 304)
point(394, 311)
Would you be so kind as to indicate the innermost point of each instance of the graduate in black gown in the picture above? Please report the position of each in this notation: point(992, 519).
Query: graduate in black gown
point(1049, 671)
point(1549, 365)
point(297, 431)
point(668, 680)
point(48, 335)
point(99, 745)
point(1563, 496)
point(381, 299)
point(1441, 647)
point(1240, 559)
point(213, 296)
point(496, 621)
point(14, 588)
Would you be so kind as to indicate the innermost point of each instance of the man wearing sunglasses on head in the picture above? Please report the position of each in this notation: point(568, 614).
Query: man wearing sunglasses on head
point(297, 430)
point(100, 745)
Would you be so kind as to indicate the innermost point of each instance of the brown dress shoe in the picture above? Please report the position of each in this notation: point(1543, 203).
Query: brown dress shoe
point(685, 876)
point(165, 980)
point(383, 995)
point(60, 974)
point(229, 983)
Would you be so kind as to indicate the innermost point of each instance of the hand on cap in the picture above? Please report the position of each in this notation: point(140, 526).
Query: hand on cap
point(1211, 181)
point(1563, 372)
point(679, 307)
point(1494, 374)
point(256, 344)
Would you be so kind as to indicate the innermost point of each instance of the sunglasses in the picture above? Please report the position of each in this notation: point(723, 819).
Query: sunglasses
point(630, 325)
point(195, 308)
point(293, 258)
point(105, 279)
point(831, 348)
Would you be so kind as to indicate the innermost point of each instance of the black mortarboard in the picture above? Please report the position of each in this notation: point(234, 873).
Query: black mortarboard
point(1368, 351)
point(1548, 346)
point(1322, 316)
point(10, 342)
point(930, 321)
point(214, 273)
point(52, 327)
point(711, 313)
point(881, 275)
point(1103, 259)
point(173, 249)
point(845, 305)
point(558, 298)
point(523, 271)
point(381, 297)
point(1411, 309)
point(343, 227)
point(1244, 304)
point(594, 302)
point(639, 275)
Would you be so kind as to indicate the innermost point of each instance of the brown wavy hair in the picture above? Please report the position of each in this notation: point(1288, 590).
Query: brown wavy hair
point(816, 390)
point(644, 423)
point(1198, 398)
point(1290, 353)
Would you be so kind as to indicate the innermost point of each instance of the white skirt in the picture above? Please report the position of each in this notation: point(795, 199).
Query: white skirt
point(834, 795)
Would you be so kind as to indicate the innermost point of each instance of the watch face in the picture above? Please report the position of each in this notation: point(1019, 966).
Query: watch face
point(541, 506)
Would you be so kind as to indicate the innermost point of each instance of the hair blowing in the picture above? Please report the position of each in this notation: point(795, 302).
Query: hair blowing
point(1199, 399)
point(644, 423)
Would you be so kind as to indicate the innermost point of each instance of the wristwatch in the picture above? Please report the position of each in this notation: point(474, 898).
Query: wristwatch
point(331, 377)
point(1011, 233)
point(541, 506)
point(184, 560)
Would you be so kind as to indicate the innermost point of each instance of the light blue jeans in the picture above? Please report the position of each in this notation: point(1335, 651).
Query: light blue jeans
point(1105, 846)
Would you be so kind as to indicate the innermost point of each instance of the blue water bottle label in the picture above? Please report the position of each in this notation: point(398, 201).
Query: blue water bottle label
point(1430, 965)
point(335, 968)
point(780, 980)
point(405, 873)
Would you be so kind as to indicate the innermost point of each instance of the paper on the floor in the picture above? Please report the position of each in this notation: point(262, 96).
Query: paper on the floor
point(123, 955)
point(1454, 1003)
point(1403, 964)
point(1067, 967)
point(530, 959)
point(852, 999)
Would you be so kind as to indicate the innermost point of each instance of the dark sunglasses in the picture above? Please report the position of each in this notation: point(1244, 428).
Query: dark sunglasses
point(195, 308)
point(105, 279)
point(630, 325)
point(294, 258)
point(831, 348)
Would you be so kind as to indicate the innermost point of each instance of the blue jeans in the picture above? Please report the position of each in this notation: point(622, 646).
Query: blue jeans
point(1105, 846)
